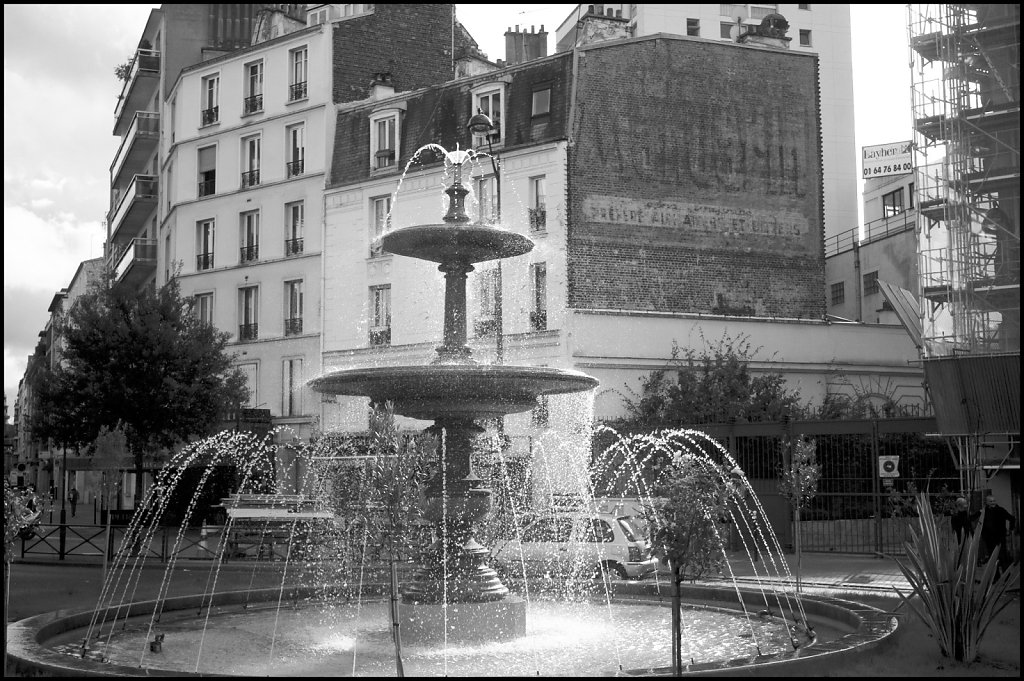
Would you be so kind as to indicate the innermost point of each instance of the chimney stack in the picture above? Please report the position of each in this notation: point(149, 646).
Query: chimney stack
point(381, 86)
point(523, 46)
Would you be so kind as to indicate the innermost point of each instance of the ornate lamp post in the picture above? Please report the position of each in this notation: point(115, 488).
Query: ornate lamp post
point(481, 124)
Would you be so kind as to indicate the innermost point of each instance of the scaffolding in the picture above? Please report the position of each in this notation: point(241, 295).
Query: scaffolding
point(965, 66)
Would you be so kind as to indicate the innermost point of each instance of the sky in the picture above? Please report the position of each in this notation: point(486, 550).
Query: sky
point(59, 97)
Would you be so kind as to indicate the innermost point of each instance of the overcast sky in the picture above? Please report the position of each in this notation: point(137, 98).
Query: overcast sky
point(59, 97)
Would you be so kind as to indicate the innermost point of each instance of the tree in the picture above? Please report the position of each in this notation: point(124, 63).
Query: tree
point(141, 363)
point(123, 71)
point(683, 517)
point(798, 483)
point(713, 385)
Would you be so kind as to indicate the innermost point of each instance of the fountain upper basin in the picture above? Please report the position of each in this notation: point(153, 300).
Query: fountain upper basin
point(456, 242)
point(455, 390)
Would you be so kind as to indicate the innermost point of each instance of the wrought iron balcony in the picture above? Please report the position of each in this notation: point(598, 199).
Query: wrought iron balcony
point(292, 326)
point(297, 91)
point(204, 261)
point(248, 332)
point(138, 90)
point(294, 168)
point(207, 188)
point(249, 253)
point(293, 246)
point(137, 262)
point(137, 146)
point(209, 116)
point(136, 205)
point(380, 336)
point(251, 105)
point(538, 219)
point(250, 178)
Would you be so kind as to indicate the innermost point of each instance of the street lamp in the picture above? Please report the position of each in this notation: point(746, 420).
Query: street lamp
point(481, 124)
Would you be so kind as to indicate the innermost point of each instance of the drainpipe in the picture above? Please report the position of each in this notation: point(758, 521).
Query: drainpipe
point(858, 283)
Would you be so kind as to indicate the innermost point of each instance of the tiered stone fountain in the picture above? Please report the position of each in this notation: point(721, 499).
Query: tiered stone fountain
point(454, 594)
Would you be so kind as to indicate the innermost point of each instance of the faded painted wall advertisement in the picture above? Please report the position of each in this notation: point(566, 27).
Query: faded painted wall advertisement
point(694, 217)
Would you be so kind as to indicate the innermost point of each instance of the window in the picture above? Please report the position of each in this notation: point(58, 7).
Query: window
point(807, 7)
point(487, 199)
point(488, 282)
point(871, 283)
point(296, 152)
point(381, 222)
point(538, 204)
point(380, 315)
point(489, 103)
point(725, 30)
point(539, 286)
point(838, 293)
point(251, 372)
point(540, 415)
point(248, 313)
point(297, 65)
point(383, 140)
point(291, 385)
point(541, 102)
point(209, 109)
point(250, 236)
point(253, 101)
point(892, 203)
point(293, 307)
point(204, 245)
point(693, 27)
point(294, 214)
point(202, 306)
point(598, 530)
point(251, 161)
point(910, 195)
point(207, 171)
point(805, 37)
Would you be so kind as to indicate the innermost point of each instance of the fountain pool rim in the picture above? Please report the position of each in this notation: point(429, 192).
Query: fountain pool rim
point(870, 628)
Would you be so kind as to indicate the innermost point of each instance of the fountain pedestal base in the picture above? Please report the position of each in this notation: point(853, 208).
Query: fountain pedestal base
point(502, 620)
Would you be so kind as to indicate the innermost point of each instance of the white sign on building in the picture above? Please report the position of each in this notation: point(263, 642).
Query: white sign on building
point(887, 159)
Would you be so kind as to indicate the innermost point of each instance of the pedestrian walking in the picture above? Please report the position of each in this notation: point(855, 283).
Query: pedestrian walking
point(73, 500)
point(963, 521)
point(994, 531)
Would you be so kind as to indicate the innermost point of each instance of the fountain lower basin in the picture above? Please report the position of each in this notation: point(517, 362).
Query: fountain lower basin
point(563, 639)
point(454, 390)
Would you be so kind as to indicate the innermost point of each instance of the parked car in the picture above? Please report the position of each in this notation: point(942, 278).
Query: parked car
point(592, 544)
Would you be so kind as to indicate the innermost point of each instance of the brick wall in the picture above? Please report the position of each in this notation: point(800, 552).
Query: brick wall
point(412, 42)
point(696, 180)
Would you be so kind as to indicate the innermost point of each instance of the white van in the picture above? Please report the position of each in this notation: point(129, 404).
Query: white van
point(582, 543)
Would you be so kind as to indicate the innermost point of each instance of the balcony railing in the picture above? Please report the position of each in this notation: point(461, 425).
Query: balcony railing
point(292, 326)
point(539, 320)
point(138, 144)
point(209, 116)
point(138, 202)
point(207, 188)
point(138, 89)
point(204, 261)
point(137, 260)
point(380, 336)
point(294, 168)
point(248, 332)
point(385, 158)
point(249, 253)
point(538, 219)
point(251, 105)
point(485, 326)
point(293, 246)
point(297, 91)
point(250, 178)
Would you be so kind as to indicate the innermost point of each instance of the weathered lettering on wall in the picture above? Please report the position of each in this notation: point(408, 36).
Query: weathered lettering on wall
point(694, 217)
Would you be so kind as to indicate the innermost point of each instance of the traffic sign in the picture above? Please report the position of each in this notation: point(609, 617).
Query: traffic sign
point(889, 466)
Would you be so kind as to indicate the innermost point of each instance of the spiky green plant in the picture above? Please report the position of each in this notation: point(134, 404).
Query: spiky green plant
point(958, 600)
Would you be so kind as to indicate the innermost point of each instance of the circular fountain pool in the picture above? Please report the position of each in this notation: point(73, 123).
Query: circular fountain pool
point(294, 637)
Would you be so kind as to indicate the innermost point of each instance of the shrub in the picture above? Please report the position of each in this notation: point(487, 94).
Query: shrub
point(958, 598)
